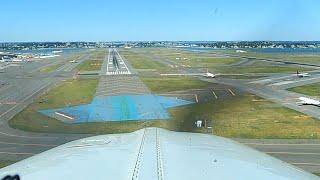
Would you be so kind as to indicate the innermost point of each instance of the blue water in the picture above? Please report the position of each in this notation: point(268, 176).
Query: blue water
point(120, 108)
point(47, 51)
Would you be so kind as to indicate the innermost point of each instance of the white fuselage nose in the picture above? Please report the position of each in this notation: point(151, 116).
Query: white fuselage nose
point(209, 75)
point(309, 101)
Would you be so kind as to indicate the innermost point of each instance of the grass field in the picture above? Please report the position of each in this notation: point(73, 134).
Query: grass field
point(310, 89)
point(4, 163)
point(166, 84)
point(95, 61)
point(139, 61)
point(248, 116)
point(90, 65)
point(51, 68)
point(188, 58)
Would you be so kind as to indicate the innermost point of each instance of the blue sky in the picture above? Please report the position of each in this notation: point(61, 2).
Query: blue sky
point(131, 20)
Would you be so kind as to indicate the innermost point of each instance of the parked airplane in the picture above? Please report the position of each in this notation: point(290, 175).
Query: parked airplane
point(73, 61)
point(301, 75)
point(154, 153)
point(308, 101)
point(209, 75)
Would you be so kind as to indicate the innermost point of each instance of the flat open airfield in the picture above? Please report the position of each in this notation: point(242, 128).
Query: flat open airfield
point(249, 102)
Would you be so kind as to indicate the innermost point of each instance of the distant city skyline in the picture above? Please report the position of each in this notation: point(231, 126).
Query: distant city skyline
point(142, 20)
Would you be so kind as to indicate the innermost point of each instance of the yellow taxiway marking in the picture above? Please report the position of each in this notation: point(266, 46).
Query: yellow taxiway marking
point(231, 92)
point(214, 94)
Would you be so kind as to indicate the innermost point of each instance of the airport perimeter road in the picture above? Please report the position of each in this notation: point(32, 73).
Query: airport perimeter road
point(23, 84)
point(303, 153)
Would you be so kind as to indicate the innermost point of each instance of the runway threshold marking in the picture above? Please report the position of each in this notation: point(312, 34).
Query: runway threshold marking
point(108, 61)
point(231, 92)
point(126, 67)
point(214, 94)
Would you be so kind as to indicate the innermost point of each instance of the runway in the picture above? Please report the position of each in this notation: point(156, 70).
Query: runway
point(117, 77)
point(115, 64)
